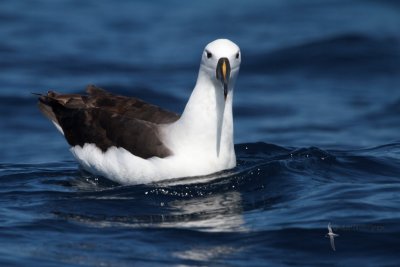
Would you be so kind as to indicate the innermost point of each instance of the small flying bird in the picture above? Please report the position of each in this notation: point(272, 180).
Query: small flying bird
point(331, 236)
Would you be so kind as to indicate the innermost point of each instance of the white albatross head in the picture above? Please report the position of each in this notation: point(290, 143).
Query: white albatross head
point(221, 61)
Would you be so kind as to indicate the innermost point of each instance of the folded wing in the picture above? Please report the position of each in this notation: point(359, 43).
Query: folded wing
point(107, 120)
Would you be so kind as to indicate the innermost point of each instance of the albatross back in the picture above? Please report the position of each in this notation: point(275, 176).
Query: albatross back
point(107, 120)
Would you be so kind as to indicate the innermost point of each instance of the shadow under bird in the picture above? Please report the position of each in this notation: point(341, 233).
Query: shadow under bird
point(130, 141)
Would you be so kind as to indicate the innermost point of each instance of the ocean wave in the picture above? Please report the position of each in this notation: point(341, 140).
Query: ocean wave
point(267, 177)
point(334, 55)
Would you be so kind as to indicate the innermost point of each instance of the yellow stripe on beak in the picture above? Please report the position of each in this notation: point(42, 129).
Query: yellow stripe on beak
point(224, 70)
point(223, 73)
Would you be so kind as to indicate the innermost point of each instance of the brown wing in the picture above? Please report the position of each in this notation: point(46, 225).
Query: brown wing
point(128, 106)
point(108, 120)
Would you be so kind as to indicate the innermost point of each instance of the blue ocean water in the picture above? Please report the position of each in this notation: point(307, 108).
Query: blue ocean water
point(317, 120)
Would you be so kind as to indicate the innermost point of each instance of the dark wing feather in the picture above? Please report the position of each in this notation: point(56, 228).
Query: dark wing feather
point(128, 106)
point(109, 120)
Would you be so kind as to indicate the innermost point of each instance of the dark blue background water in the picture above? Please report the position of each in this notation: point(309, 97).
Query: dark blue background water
point(317, 108)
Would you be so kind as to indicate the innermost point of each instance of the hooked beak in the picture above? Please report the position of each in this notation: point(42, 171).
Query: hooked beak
point(223, 73)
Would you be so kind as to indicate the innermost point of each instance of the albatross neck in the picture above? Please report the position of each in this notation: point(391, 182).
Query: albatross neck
point(207, 118)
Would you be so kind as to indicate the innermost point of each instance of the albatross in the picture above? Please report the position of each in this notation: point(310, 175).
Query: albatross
point(130, 141)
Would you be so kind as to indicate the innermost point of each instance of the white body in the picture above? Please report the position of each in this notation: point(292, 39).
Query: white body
point(201, 140)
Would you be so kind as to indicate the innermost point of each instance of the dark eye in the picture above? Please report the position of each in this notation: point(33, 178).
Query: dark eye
point(209, 55)
point(237, 55)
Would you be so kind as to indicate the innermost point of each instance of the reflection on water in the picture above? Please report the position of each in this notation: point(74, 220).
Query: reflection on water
point(206, 253)
point(207, 211)
point(214, 213)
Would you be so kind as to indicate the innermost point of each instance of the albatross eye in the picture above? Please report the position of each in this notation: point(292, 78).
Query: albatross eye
point(237, 55)
point(209, 55)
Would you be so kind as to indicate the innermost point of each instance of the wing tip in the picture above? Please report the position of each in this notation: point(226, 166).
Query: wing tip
point(45, 104)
